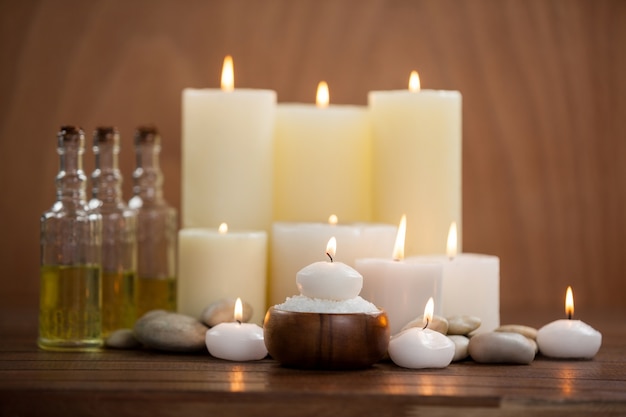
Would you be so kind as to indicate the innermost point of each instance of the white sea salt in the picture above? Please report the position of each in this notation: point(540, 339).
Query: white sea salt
point(303, 304)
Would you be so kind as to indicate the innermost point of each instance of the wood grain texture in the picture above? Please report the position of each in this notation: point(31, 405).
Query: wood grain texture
point(544, 99)
point(143, 382)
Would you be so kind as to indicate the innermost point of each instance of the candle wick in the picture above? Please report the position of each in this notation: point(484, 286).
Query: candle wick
point(426, 325)
point(569, 316)
point(331, 258)
point(238, 321)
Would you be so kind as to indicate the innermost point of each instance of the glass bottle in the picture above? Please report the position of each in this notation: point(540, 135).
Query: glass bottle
point(157, 228)
point(119, 249)
point(71, 281)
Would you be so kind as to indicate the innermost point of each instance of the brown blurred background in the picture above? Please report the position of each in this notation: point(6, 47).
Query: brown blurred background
point(544, 108)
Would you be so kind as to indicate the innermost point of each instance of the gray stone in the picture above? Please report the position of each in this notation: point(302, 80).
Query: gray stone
point(223, 311)
point(460, 347)
point(501, 347)
point(171, 332)
point(122, 339)
point(462, 324)
point(527, 331)
point(438, 324)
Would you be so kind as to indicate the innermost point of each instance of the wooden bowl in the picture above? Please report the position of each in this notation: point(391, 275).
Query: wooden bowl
point(326, 340)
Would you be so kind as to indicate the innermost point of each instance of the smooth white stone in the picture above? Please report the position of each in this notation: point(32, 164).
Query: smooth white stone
point(462, 324)
point(460, 347)
point(329, 281)
point(529, 332)
point(569, 339)
point(171, 332)
point(417, 349)
point(438, 324)
point(122, 339)
point(236, 342)
point(223, 311)
point(501, 347)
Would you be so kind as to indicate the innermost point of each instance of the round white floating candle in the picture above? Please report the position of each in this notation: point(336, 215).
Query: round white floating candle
point(569, 339)
point(417, 348)
point(236, 341)
point(329, 280)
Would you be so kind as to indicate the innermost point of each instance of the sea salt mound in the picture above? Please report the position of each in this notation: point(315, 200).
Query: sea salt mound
point(303, 304)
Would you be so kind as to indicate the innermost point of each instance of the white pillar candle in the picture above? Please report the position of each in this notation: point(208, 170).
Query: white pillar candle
point(213, 265)
point(322, 162)
point(227, 156)
point(416, 156)
point(236, 341)
point(329, 280)
point(399, 287)
point(569, 339)
point(295, 245)
point(418, 348)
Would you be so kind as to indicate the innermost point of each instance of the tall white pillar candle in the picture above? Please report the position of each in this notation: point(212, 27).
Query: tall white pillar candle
point(213, 265)
point(296, 245)
point(322, 162)
point(398, 287)
point(227, 157)
point(416, 162)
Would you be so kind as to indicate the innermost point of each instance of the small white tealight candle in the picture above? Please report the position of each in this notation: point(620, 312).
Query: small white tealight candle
point(567, 338)
point(417, 348)
point(329, 280)
point(236, 341)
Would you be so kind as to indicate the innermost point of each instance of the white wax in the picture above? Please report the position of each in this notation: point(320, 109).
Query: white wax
point(236, 342)
point(212, 266)
point(329, 281)
point(416, 156)
point(227, 157)
point(322, 163)
point(569, 339)
point(295, 245)
point(421, 348)
point(400, 288)
point(470, 286)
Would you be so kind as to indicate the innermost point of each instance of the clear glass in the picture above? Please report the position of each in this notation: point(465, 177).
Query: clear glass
point(157, 228)
point(71, 281)
point(119, 224)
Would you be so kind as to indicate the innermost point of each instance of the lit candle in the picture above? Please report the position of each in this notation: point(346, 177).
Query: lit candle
point(329, 280)
point(567, 338)
point(398, 286)
point(236, 341)
point(416, 156)
point(421, 348)
point(294, 245)
point(227, 147)
point(215, 264)
point(322, 161)
point(470, 283)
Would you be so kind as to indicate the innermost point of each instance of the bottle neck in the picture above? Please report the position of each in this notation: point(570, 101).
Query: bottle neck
point(71, 180)
point(107, 178)
point(148, 178)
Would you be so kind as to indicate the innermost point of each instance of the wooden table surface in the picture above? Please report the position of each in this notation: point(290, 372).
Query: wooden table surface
point(142, 382)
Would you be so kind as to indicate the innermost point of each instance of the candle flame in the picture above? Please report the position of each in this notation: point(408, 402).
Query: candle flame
point(398, 248)
point(331, 248)
point(414, 82)
point(238, 310)
point(452, 245)
point(322, 98)
point(569, 302)
point(333, 219)
point(228, 74)
point(429, 311)
point(223, 229)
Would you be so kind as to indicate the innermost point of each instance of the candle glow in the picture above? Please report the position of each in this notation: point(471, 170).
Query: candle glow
point(228, 74)
point(331, 248)
point(333, 219)
point(429, 311)
point(569, 303)
point(238, 310)
point(398, 249)
point(452, 245)
point(223, 229)
point(414, 82)
point(322, 97)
